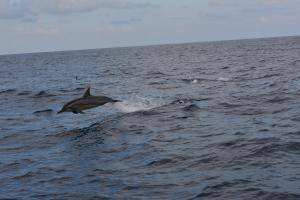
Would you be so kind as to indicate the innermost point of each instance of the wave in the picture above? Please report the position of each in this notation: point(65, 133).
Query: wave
point(197, 80)
point(7, 91)
point(43, 94)
point(40, 112)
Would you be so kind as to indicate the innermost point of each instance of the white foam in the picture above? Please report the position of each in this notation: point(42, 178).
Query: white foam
point(194, 81)
point(223, 79)
point(137, 104)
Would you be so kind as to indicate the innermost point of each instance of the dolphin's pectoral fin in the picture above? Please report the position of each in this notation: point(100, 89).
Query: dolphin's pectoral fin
point(115, 101)
point(77, 111)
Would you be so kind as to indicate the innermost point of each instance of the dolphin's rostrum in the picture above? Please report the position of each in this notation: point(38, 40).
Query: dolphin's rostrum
point(87, 101)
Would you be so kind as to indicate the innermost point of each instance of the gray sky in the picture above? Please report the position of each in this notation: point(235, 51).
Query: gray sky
point(50, 25)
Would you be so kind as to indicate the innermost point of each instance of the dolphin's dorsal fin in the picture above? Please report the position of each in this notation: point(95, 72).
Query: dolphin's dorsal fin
point(87, 93)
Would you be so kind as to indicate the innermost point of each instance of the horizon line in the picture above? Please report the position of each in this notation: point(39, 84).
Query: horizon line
point(146, 45)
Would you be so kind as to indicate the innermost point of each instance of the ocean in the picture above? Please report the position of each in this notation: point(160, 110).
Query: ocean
point(211, 120)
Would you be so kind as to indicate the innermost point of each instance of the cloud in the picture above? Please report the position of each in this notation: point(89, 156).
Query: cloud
point(124, 21)
point(281, 3)
point(11, 9)
point(114, 29)
point(215, 3)
point(66, 6)
point(123, 25)
point(38, 31)
point(31, 9)
point(274, 2)
point(264, 19)
point(123, 4)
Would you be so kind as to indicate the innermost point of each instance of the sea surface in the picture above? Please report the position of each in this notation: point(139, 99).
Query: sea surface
point(212, 121)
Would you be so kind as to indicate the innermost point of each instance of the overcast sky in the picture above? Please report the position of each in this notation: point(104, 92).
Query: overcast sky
point(51, 25)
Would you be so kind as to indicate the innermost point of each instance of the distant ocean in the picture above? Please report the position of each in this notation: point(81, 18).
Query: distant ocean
point(213, 121)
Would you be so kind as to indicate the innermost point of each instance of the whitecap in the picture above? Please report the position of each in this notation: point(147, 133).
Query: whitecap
point(194, 81)
point(223, 79)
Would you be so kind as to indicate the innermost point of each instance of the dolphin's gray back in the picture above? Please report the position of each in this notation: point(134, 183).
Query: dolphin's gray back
point(88, 102)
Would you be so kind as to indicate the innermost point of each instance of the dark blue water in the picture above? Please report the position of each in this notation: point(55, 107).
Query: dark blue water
point(217, 120)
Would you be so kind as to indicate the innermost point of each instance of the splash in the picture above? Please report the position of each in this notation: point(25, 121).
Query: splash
point(137, 103)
